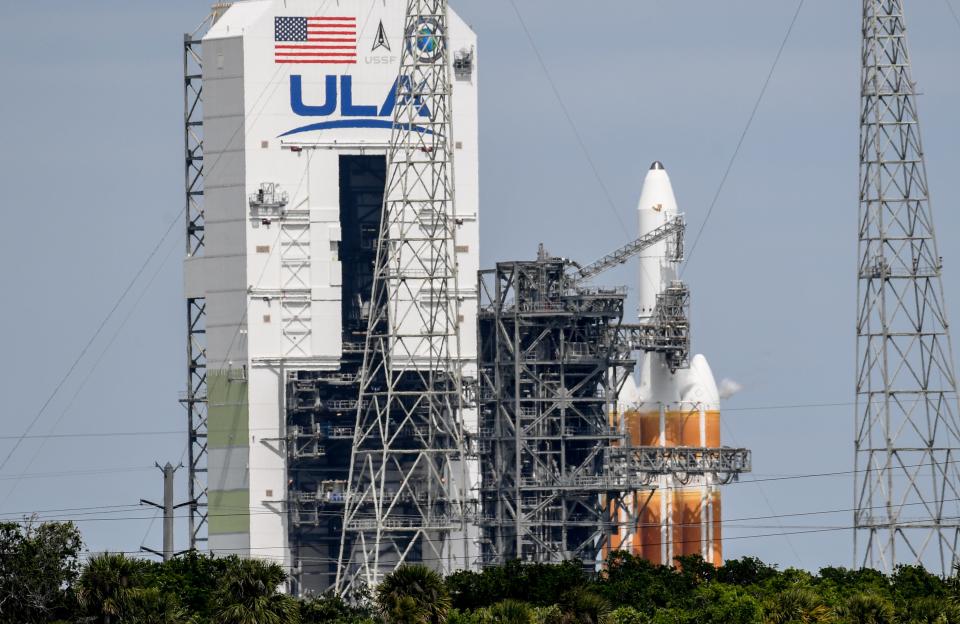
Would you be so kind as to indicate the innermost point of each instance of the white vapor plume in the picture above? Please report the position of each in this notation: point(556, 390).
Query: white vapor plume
point(728, 388)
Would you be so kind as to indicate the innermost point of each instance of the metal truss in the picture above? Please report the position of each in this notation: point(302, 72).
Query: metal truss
point(406, 500)
point(674, 229)
point(907, 435)
point(550, 370)
point(646, 462)
point(668, 332)
point(559, 475)
point(195, 398)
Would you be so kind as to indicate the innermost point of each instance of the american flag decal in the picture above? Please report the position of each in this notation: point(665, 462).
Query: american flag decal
point(327, 40)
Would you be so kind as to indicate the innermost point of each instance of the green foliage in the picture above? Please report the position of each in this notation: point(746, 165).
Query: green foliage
point(548, 615)
point(107, 587)
point(583, 606)
point(797, 605)
point(507, 611)
point(249, 594)
point(929, 610)
point(627, 615)
point(331, 610)
point(636, 582)
point(193, 577)
point(744, 572)
point(38, 565)
point(149, 605)
point(413, 594)
point(42, 581)
point(866, 608)
point(538, 584)
point(725, 604)
point(911, 581)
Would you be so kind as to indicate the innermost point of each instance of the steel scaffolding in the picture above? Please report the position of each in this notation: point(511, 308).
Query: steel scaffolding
point(406, 499)
point(907, 435)
point(547, 394)
point(559, 473)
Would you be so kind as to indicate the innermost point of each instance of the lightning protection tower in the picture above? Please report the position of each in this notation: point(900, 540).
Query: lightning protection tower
point(406, 495)
point(907, 437)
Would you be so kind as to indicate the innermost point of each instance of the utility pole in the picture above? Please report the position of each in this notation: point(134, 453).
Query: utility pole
point(907, 444)
point(168, 508)
point(406, 497)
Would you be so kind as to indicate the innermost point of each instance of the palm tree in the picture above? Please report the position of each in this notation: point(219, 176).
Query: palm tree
point(866, 608)
point(585, 607)
point(931, 610)
point(797, 605)
point(151, 606)
point(508, 612)
point(413, 594)
point(105, 586)
point(249, 595)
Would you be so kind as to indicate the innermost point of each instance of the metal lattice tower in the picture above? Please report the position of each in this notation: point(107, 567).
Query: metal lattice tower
point(907, 436)
point(406, 496)
point(195, 398)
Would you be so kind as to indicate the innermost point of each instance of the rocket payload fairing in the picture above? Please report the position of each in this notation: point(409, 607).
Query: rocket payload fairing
point(671, 409)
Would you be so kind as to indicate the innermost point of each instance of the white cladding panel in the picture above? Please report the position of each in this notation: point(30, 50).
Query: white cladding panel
point(273, 287)
point(283, 107)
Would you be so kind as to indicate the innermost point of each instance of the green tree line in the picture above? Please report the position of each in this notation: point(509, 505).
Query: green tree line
point(44, 578)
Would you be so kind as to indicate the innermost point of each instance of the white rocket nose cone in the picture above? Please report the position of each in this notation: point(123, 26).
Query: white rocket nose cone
point(657, 206)
point(657, 202)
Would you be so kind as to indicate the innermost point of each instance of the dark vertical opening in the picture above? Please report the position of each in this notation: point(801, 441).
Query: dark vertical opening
point(321, 405)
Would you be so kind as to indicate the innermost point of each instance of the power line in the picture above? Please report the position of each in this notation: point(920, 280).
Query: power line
point(93, 338)
point(803, 531)
point(566, 113)
point(766, 500)
point(743, 135)
point(127, 434)
point(72, 473)
point(243, 512)
point(92, 370)
point(953, 12)
point(814, 475)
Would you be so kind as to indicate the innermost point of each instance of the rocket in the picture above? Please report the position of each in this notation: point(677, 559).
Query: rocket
point(669, 409)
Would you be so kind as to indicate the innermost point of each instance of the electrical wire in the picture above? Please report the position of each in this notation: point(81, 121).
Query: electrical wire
point(815, 475)
point(766, 500)
point(91, 340)
point(90, 372)
point(136, 277)
point(953, 11)
point(107, 511)
point(129, 434)
point(157, 512)
point(803, 531)
point(566, 113)
point(743, 135)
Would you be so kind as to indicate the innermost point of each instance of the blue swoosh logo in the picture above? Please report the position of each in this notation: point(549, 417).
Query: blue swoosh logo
point(356, 123)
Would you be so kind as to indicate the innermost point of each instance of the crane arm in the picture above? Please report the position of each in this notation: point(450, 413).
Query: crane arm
point(674, 227)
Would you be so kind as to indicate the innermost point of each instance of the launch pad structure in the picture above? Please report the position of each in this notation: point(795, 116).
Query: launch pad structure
point(345, 424)
point(561, 478)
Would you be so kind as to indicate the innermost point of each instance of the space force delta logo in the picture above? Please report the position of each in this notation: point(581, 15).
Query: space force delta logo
point(298, 40)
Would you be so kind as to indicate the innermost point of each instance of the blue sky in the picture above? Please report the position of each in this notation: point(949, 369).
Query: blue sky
point(92, 174)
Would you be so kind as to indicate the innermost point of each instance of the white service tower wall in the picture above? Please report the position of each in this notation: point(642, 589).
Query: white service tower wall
point(273, 289)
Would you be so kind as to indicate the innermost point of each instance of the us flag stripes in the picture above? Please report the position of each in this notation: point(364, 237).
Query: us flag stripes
point(325, 40)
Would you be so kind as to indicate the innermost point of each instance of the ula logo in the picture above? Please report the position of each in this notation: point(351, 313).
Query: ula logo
point(339, 98)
